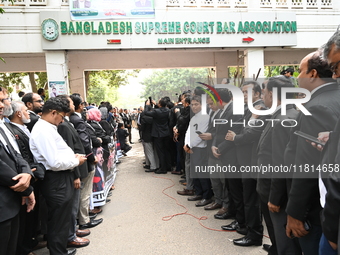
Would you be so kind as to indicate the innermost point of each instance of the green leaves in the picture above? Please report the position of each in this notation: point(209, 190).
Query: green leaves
point(103, 84)
point(170, 82)
point(8, 80)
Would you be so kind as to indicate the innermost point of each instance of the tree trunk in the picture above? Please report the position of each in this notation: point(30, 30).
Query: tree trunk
point(87, 82)
point(33, 83)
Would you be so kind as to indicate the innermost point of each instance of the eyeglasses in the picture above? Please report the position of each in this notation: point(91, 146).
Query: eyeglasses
point(2, 100)
point(334, 68)
point(39, 101)
point(62, 115)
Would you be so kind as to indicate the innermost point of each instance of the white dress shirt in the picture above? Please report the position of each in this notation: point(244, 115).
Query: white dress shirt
point(50, 149)
point(199, 122)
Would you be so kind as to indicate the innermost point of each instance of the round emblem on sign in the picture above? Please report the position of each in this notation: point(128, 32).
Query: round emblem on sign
point(49, 29)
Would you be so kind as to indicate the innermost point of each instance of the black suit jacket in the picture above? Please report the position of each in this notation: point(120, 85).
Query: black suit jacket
point(160, 126)
point(247, 140)
point(304, 197)
point(92, 134)
point(121, 135)
point(146, 127)
point(106, 138)
point(10, 166)
point(80, 125)
point(34, 118)
point(71, 137)
point(23, 143)
point(107, 127)
point(331, 212)
point(183, 119)
point(271, 147)
point(101, 133)
point(212, 130)
point(226, 148)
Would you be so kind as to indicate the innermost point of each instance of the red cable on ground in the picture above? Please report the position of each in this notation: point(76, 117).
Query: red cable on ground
point(167, 218)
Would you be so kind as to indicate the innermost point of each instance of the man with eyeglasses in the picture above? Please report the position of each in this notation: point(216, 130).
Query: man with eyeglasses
point(34, 104)
point(50, 149)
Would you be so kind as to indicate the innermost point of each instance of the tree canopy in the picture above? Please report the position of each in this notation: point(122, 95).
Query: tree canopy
point(171, 82)
point(103, 85)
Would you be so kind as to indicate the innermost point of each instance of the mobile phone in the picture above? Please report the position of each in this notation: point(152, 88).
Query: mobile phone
point(309, 137)
point(198, 132)
point(88, 154)
point(307, 225)
point(150, 99)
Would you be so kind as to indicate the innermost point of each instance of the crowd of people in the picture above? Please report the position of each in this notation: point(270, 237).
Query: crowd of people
point(54, 155)
point(301, 207)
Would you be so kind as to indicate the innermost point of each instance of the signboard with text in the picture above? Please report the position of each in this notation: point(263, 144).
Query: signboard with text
point(172, 30)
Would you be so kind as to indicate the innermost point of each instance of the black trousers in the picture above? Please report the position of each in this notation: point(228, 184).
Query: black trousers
point(181, 151)
point(252, 209)
point(270, 227)
point(29, 224)
point(161, 145)
point(57, 188)
point(236, 193)
point(130, 135)
point(202, 183)
point(9, 230)
point(285, 245)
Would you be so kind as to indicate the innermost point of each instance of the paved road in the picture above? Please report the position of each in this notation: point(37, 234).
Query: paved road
point(133, 219)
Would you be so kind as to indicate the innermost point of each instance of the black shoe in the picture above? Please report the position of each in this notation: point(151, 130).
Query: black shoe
point(131, 142)
point(246, 241)
point(231, 227)
point(146, 167)
point(183, 176)
point(182, 181)
point(123, 152)
point(195, 198)
point(92, 216)
point(108, 200)
point(150, 170)
point(160, 172)
point(71, 251)
point(91, 224)
point(224, 216)
point(144, 162)
point(266, 247)
point(118, 162)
